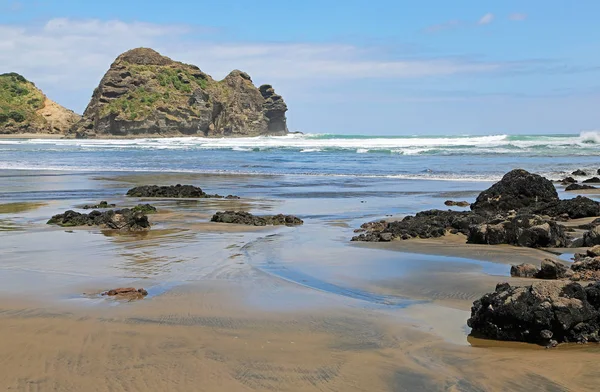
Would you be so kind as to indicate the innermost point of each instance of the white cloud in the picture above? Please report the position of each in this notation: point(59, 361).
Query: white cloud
point(486, 19)
point(72, 55)
point(517, 17)
point(451, 24)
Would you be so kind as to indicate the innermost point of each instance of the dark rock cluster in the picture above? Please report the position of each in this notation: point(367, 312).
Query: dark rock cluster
point(102, 204)
point(173, 192)
point(124, 219)
point(546, 312)
point(245, 218)
point(522, 209)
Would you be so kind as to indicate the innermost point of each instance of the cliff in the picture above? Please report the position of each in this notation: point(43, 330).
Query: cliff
point(147, 94)
point(24, 109)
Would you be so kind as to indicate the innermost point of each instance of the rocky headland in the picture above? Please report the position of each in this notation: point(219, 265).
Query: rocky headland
point(146, 94)
point(25, 109)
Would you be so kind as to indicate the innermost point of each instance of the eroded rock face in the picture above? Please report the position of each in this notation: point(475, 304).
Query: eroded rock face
point(145, 93)
point(245, 218)
point(546, 312)
point(517, 189)
point(124, 219)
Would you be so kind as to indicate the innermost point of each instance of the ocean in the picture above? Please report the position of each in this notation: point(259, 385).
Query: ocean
point(458, 158)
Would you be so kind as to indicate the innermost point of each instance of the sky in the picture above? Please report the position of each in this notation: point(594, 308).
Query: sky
point(373, 67)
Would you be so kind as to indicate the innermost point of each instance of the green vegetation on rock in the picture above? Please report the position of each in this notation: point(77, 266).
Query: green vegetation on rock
point(145, 93)
point(19, 100)
point(25, 109)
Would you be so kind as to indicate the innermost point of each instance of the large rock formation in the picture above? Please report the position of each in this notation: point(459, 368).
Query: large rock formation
point(25, 109)
point(522, 209)
point(547, 312)
point(517, 189)
point(145, 93)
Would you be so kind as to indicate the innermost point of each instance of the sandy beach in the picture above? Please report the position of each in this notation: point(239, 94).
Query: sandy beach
point(245, 308)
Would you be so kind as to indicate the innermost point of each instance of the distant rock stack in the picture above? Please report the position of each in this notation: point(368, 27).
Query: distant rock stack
point(147, 94)
point(24, 108)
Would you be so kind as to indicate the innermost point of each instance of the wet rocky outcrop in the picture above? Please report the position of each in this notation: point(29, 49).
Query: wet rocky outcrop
point(592, 237)
point(522, 209)
point(578, 207)
point(593, 180)
point(579, 187)
point(524, 270)
point(518, 189)
point(579, 172)
point(246, 218)
point(124, 219)
point(425, 224)
point(126, 293)
point(145, 93)
point(145, 209)
point(452, 203)
point(545, 312)
point(102, 204)
point(522, 230)
point(568, 180)
point(173, 192)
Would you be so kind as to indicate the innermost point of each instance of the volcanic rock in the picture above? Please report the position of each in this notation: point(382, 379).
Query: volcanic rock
point(517, 189)
point(592, 237)
point(579, 172)
point(539, 313)
point(172, 191)
point(568, 180)
point(524, 271)
point(102, 204)
point(592, 180)
point(553, 270)
point(245, 218)
point(145, 93)
point(578, 187)
point(579, 207)
point(451, 203)
point(425, 224)
point(124, 219)
point(522, 230)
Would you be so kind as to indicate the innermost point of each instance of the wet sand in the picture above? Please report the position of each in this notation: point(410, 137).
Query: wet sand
point(204, 338)
point(237, 308)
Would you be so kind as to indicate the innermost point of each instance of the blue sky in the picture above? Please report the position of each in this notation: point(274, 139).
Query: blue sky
point(370, 67)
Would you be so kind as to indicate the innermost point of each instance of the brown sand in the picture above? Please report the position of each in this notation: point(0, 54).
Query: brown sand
point(202, 339)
